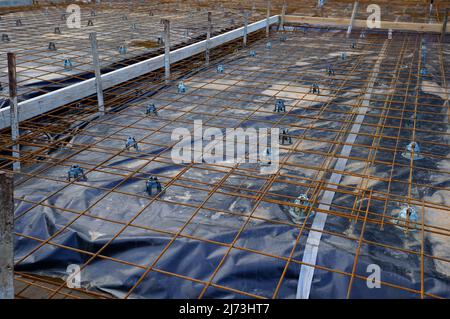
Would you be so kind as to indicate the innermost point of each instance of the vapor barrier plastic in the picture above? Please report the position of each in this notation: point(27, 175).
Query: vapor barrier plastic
point(242, 270)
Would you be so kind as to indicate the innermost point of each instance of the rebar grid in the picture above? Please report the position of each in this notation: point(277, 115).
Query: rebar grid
point(136, 26)
point(376, 183)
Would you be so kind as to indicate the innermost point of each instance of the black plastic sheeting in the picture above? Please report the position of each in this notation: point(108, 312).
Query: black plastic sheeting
point(244, 271)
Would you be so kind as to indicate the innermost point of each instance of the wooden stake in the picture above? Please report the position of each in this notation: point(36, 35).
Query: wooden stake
point(245, 28)
point(208, 38)
point(166, 49)
point(283, 14)
point(98, 75)
point(350, 26)
point(269, 4)
point(444, 26)
point(6, 236)
point(14, 113)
